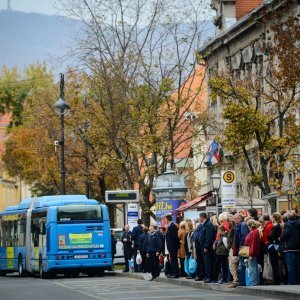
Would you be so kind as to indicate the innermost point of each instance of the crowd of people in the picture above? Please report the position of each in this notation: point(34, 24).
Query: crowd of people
point(228, 249)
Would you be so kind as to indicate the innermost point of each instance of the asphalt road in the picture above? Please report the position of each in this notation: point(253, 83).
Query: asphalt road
point(107, 287)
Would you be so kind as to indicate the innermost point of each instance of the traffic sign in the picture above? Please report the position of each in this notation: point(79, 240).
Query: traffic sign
point(228, 189)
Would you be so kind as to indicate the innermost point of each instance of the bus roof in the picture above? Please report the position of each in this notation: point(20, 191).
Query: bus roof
point(46, 201)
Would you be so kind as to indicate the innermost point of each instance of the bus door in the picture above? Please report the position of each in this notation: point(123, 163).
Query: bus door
point(38, 239)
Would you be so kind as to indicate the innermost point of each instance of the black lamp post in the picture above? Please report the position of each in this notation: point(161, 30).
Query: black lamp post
point(216, 181)
point(62, 107)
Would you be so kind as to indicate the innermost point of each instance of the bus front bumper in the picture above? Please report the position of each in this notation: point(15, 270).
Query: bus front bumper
point(101, 263)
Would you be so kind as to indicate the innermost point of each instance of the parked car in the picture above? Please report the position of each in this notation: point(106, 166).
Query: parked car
point(119, 257)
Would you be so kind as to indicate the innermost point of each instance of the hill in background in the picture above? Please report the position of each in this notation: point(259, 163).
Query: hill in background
point(26, 38)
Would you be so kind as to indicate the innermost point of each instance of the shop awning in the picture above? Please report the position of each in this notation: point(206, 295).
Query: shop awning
point(194, 202)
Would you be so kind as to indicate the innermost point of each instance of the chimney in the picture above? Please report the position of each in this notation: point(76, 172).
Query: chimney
point(244, 7)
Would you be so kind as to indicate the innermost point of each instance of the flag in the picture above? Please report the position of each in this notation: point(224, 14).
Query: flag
point(213, 157)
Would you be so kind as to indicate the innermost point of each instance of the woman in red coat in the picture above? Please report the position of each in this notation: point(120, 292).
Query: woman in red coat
point(253, 241)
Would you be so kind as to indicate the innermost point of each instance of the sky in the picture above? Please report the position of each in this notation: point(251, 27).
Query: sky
point(36, 6)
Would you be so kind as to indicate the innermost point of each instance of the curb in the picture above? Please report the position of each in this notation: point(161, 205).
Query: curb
point(253, 291)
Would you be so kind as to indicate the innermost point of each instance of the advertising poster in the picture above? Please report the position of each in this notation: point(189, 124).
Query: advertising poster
point(164, 208)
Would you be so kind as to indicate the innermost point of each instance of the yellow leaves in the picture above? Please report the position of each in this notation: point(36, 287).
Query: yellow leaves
point(242, 123)
point(229, 90)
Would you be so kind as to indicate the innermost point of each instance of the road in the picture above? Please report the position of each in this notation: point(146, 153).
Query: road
point(105, 288)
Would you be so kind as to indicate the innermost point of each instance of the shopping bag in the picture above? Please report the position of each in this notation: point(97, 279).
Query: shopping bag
point(268, 272)
point(192, 265)
point(247, 277)
point(138, 259)
point(186, 266)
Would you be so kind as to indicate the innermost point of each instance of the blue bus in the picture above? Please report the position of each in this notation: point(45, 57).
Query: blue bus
point(55, 234)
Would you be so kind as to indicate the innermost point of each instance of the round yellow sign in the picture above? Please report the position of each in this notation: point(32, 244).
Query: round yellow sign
point(228, 177)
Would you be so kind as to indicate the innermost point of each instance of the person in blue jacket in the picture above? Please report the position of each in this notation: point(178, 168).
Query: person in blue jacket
point(135, 237)
point(153, 247)
point(290, 239)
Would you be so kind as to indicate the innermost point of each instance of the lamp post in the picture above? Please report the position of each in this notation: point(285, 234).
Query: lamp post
point(216, 181)
point(62, 107)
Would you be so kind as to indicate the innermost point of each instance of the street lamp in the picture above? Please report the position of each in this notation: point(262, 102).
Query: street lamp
point(216, 182)
point(62, 107)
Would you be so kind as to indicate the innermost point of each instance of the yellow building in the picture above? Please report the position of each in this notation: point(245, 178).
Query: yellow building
point(12, 190)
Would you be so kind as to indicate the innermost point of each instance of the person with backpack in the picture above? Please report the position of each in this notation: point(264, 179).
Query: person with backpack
point(220, 247)
point(233, 254)
point(290, 239)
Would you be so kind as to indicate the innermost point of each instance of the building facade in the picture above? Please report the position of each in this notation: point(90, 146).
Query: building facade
point(12, 189)
point(240, 48)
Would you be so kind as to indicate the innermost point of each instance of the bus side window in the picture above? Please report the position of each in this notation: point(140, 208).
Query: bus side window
point(42, 235)
point(15, 236)
point(21, 231)
point(35, 232)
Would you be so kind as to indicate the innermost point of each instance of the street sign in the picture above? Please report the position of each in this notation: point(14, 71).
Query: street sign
point(121, 196)
point(132, 215)
point(228, 189)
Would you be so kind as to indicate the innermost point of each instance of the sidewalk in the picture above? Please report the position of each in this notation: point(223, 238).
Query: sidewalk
point(290, 292)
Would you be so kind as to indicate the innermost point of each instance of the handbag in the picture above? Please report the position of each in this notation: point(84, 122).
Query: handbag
point(244, 251)
point(192, 265)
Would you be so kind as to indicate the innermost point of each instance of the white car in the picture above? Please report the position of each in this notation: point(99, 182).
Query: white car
point(119, 256)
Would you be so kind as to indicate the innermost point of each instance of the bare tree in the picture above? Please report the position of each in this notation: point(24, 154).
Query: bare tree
point(139, 55)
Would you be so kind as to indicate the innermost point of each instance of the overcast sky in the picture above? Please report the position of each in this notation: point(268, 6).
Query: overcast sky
point(37, 6)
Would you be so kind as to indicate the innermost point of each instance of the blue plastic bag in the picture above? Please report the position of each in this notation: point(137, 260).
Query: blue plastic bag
point(192, 265)
point(247, 278)
point(186, 266)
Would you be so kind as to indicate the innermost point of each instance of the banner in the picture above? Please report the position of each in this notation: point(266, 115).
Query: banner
point(164, 208)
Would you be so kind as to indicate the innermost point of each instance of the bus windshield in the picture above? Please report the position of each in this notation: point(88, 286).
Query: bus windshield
point(79, 213)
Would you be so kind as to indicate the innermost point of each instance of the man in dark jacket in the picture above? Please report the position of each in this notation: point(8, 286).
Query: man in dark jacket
point(200, 271)
point(208, 236)
point(135, 236)
point(127, 247)
point(173, 244)
point(290, 239)
point(113, 247)
point(153, 247)
point(143, 249)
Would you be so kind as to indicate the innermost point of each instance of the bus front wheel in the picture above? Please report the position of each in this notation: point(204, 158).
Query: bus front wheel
point(20, 266)
point(2, 273)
